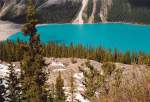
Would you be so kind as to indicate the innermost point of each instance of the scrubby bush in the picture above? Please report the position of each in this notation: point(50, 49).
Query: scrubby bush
point(73, 60)
point(108, 68)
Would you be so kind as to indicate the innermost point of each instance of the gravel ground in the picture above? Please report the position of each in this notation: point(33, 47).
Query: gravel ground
point(8, 28)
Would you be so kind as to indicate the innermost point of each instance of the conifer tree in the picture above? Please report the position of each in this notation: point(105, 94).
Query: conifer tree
point(51, 95)
point(60, 95)
point(115, 55)
point(29, 29)
point(72, 87)
point(108, 68)
point(127, 58)
point(2, 91)
point(89, 80)
point(14, 88)
point(93, 80)
point(33, 75)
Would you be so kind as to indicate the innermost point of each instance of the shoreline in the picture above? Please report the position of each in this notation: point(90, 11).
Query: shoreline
point(8, 28)
point(129, 23)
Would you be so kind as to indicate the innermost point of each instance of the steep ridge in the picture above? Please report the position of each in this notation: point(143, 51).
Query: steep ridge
point(62, 11)
point(91, 18)
point(106, 6)
point(6, 6)
point(78, 11)
point(79, 18)
point(90, 8)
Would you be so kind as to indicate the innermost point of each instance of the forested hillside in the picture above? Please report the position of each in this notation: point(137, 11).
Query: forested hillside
point(35, 72)
point(89, 11)
point(136, 11)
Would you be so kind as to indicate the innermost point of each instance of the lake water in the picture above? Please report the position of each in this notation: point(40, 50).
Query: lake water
point(112, 35)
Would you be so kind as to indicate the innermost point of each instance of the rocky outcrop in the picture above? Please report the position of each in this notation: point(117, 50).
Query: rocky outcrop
point(95, 9)
point(14, 10)
point(91, 18)
point(79, 18)
point(106, 6)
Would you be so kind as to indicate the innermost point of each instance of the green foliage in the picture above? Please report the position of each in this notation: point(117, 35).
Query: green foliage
point(51, 94)
point(108, 68)
point(29, 29)
point(60, 95)
point(2, 91)
point(13, 83)
point(118, 77)
point(10, 89)
point(33, 75)
point(127, 58)
point(93, 80)
point(97, 13)
point(11, 51)
point(72, 88)
point(125, 11)
point(63, 13)
point(14, 51)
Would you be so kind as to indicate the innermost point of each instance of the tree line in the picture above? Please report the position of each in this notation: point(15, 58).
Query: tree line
point(14, 51)
point(31, 85)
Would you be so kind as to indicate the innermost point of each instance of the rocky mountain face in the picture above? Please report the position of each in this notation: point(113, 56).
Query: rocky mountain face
point(95, 10)
point(134, 11)
point(78, 11)
point(15, 10)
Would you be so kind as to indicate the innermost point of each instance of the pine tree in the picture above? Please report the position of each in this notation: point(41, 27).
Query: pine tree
point(60, 95)
point(29, 29)
point(108, 68)
point(33, 75)
point(134, 58)
point(51, 95)
point(93, 80)
point(115, 55)
point(72, 87)
point(127, 58)
point(13, 85)
point(2, 91)
point(90, 82)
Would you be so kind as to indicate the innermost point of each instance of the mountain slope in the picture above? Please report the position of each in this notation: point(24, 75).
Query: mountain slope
point(56, 11)
point(127, 83)
point(78, 11)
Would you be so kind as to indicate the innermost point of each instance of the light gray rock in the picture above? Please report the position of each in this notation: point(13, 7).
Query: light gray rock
point(15, 10)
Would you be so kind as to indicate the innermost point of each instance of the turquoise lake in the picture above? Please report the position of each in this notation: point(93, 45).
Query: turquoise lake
point(110, 36)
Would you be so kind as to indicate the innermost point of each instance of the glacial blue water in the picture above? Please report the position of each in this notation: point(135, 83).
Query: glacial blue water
point(110, 36)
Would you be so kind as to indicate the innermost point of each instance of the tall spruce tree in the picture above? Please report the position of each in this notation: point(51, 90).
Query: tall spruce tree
point(14, 88)
point(51, 95)
point(93, 80)
point(33, 75)
point(2, 91)
point(72, 87)
point(60, 95)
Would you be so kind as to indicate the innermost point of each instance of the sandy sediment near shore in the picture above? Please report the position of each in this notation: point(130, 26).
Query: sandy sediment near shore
point(7, 29)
